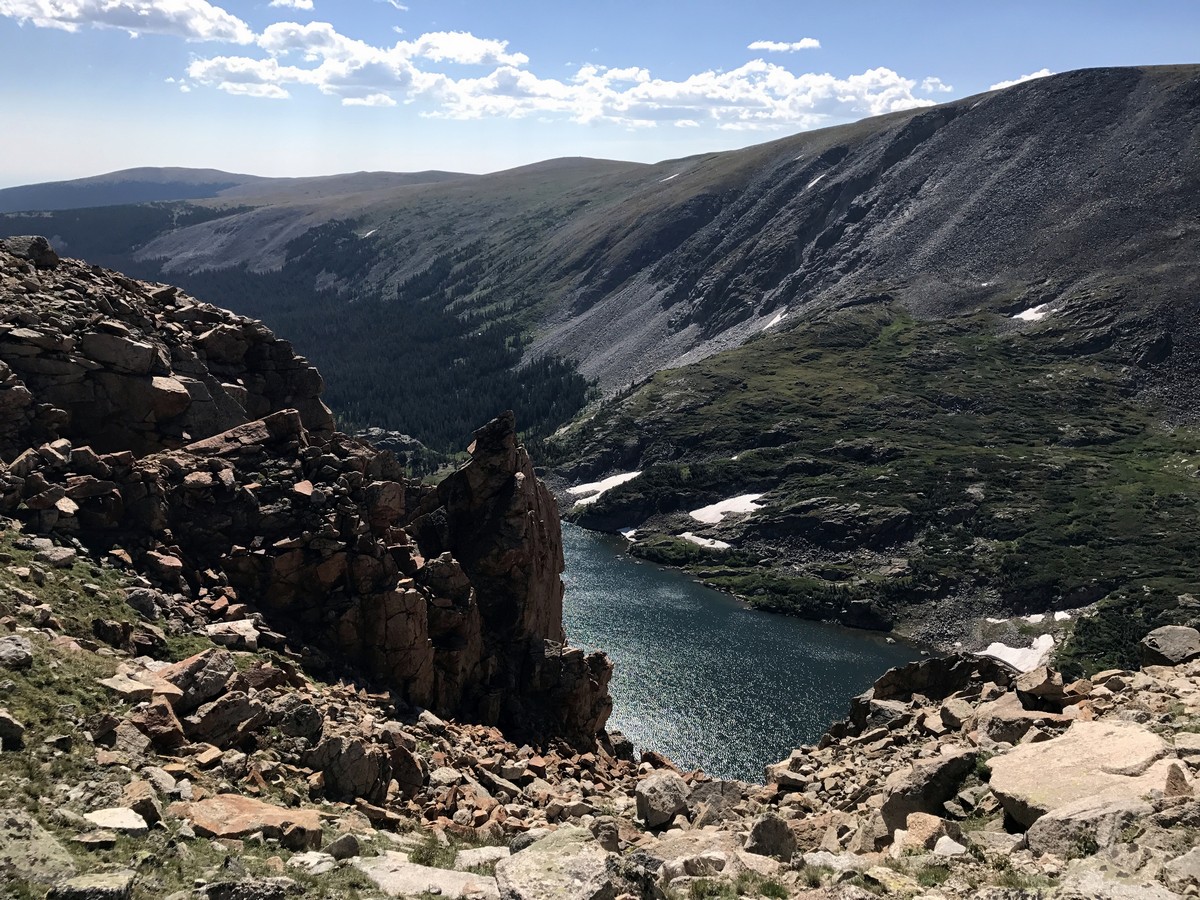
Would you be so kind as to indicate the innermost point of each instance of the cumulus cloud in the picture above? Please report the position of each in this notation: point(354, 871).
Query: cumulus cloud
point(785, 46)
point(192, 20)
point(757, 95)
point(1040, 73)
point(936, 86)
point(464, 47)
point(293, 4)
point(316, 56)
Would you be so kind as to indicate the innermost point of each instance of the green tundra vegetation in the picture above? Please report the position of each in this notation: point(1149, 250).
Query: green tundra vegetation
point(994, 460)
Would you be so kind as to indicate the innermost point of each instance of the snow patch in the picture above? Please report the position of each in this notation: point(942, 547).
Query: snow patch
point(734, 458)
point(371, 232)
point(1024, 659)
point(992, 621)
point(629, 534)
point(1062, 616)
point(710, 543)
point(598, 488)
point(1035, 313)
point(813, 182)
point(711, 515)
point(1035, 619)
point(669, 177)
point(779, 317)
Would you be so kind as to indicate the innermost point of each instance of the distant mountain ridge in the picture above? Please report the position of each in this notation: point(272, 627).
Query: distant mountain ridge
point(154, 184)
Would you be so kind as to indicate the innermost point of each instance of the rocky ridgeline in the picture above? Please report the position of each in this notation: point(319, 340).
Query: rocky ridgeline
point(222, 652)
point(192, 445)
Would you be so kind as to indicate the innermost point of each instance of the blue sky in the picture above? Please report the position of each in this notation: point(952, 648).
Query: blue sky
point(306, 87)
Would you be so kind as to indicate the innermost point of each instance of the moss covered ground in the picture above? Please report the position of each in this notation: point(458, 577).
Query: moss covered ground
point(960, 457)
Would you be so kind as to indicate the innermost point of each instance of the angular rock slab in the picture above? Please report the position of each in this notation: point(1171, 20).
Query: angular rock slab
point(1091, 820)
point(1110, 760)
point(397, 877)
point(566, 865)
point(660, 797)
point(118, 818)
point(16, 652)
point(1170, 645)
point(235, 816)
point(113, 886)
point(925, 786)
point(30, 851)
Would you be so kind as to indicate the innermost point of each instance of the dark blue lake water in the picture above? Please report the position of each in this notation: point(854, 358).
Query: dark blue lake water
point(700, 677)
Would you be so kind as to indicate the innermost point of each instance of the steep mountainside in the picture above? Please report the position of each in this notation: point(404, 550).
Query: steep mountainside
point(1082, 185)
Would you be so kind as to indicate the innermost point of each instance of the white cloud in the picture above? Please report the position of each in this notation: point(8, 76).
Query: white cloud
point(395, 4)
point(293, 4)
point(933, 85)
point(1040, 73)
point(758, 95)
point(369, 100)
point(192, 20)
point(784, 46)
point(464, 47)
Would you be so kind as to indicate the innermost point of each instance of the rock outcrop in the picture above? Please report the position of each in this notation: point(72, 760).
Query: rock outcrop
point(192, 445)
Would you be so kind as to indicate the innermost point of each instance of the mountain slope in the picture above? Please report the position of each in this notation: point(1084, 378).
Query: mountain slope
point(152, 184)
point(1081, 185)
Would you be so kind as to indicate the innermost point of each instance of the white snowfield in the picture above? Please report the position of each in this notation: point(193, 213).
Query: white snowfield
point(1024, 659)
point(814, 182)
point(779, 317)
point(711, 515)
point(1035, 313)
point(597, 488)
point(710, 543)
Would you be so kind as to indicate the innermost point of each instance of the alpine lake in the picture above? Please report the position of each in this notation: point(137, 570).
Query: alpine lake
point(702, 678)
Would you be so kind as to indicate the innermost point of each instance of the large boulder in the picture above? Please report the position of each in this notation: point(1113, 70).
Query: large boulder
point(352, 768)
point(32, 247)
point(771, 835)
point(1092, 760)
point(1091, 822)
point(661, 797)
point(1170, 645)
point(566, 865)
point(12, 732)
point(236, 816)
point(1006, 720)
point(201, 677)
point(101, 886)
point(924, 786)
point(226, 721)
point(396, 876)
point(16, 652)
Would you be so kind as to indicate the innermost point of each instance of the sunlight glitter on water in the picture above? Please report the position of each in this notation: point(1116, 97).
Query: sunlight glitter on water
point(700, 677)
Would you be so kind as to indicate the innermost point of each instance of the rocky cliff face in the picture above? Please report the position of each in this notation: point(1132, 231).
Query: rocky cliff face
point(193, 446)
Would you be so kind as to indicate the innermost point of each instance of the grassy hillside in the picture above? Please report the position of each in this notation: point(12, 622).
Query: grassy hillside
point(966, 464)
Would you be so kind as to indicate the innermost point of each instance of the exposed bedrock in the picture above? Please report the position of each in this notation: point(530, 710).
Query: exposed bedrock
point(192, 445)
